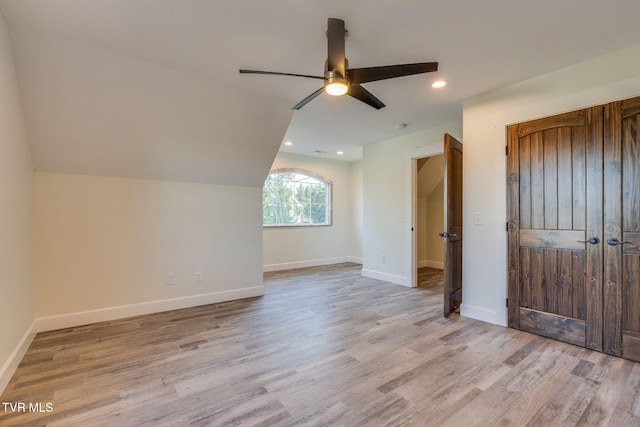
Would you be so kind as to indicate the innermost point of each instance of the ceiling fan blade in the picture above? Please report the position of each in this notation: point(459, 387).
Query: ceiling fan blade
point(371, 74)
point(361, 94)
point(309, 98)
point(276, 73)
point(336, 53)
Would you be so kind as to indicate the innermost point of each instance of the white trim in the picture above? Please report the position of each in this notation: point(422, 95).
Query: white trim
point(69, 320)
point(10, 366)
point(309, 263)
point(481, 313)
point(392, 278)
point(432, 264)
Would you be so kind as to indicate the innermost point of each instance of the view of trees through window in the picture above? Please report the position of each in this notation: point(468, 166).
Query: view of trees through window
point(295, 198)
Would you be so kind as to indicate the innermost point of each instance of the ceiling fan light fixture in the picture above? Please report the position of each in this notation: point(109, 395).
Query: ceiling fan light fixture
point(340, 79)
point(336, 86)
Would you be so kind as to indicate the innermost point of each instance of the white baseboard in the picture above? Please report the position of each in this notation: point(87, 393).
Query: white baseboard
point(49, 323)
point(480, 313)
point(432, 264)
point(309, 263)
point(10, 366)
point(398, 280)
point(355, 260)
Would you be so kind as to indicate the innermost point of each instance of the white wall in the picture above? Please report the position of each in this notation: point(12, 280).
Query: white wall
point(103, 246)
point(608, 78)
point(294, 247)
point(16, 284)
point(355, 197)
point(387, 200)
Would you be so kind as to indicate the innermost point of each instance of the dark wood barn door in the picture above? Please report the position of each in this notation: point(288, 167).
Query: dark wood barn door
point(573, 203)
point(452, 224)
point(622, 229)
point(556, 227)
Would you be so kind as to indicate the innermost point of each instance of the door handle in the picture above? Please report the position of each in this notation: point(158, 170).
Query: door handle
point(593, 241)
point(615, 242)
point(445, 235)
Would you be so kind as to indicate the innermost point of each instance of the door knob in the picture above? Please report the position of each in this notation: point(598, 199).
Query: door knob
point(615, 242)
point(593, 241)
point(445, 235)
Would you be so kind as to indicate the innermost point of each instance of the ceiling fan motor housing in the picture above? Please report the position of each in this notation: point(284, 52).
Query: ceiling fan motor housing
point(335, 83)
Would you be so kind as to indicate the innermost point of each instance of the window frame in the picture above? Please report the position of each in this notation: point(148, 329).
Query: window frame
point(329, 199)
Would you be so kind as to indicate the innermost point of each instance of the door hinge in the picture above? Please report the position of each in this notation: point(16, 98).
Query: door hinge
point(506, 150)
point(507, 302)
point(507, 226)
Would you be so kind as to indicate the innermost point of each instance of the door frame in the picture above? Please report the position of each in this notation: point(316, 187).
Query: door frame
point(411, 244)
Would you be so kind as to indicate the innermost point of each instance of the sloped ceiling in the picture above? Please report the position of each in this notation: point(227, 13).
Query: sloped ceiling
point(151, 89)
point(90, 111)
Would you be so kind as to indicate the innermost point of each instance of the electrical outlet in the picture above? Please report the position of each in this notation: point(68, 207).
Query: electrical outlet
point(198, 276)
point(382, 259)
point(170, 279)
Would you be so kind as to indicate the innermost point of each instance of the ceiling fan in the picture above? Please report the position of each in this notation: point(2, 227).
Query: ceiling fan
point(339, 79)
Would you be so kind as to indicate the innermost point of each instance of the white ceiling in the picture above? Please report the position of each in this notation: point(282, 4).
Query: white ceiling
point(151, 89)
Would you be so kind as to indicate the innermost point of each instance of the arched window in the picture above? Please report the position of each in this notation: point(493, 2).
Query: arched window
point(293, 197)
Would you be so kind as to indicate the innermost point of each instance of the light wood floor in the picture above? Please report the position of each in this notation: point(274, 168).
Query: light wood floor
point(324, 346)
point(431, 279)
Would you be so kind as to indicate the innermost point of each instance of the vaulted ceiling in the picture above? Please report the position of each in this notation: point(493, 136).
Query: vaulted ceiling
point(151, 89)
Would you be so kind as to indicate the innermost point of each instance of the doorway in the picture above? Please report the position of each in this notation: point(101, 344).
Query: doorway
point(429, 206)
point(452, 223)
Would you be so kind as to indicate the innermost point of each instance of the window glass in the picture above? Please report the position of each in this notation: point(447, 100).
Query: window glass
point(295, 198)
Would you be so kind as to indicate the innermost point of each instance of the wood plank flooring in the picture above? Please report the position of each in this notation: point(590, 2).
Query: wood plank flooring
point(431, 279)
point(324, 346)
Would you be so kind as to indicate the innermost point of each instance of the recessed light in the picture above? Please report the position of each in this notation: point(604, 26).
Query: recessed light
point(340, 153)
point(288, 143)
point(438, 84)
